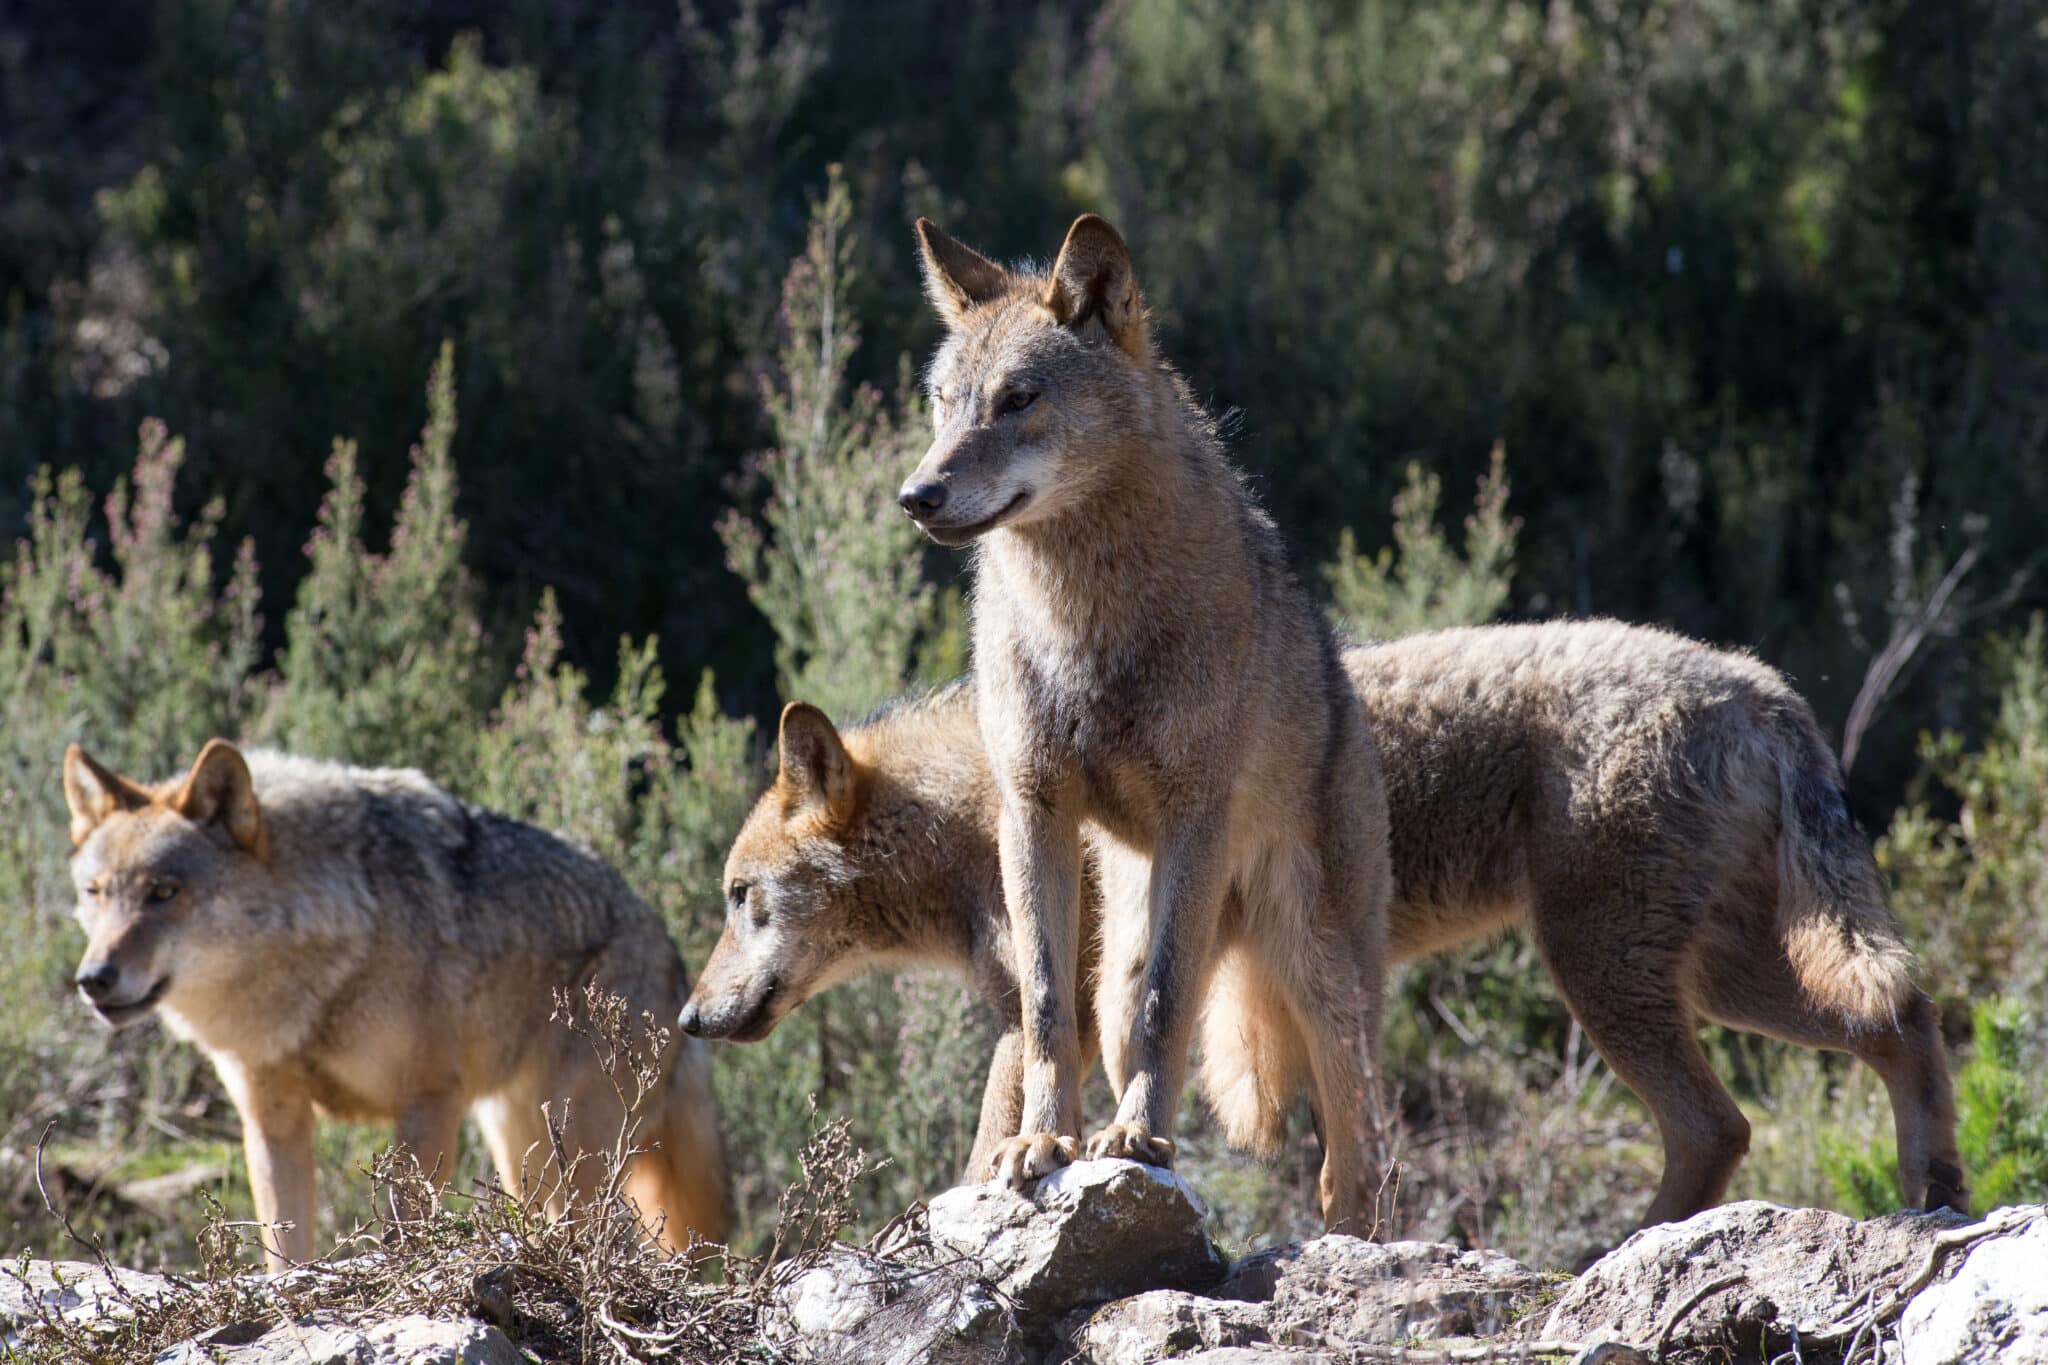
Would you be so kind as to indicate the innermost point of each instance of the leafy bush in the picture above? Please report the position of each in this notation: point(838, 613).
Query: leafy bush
point(1971, 888)
point(1420, 582)
point(831, 563)
point(384, 653)
point(1970, 891)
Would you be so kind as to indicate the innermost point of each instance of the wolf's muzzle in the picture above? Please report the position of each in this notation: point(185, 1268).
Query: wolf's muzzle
point(752, 1026)
point(954, 536)
point(119, 1012)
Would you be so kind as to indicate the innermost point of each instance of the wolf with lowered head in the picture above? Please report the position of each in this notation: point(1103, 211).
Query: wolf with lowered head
point(1663, 818)
point(359, 941)
point(1152, 678)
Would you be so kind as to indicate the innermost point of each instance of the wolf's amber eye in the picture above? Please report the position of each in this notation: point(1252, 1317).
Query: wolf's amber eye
point(736, 895)
point(1018, 399)
point(92, 890)
point(163, 891)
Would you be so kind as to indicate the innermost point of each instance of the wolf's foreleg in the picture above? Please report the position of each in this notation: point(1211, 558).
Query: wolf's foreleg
point(1040, 846)
point(429, 1128)
point(277, 1141)
point(1162, 991)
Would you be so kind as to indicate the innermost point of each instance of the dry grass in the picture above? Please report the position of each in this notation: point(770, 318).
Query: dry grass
point(586, 1288)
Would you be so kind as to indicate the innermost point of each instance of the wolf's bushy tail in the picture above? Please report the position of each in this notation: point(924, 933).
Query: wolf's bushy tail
point(680, 1181)
point(1253, 1057)
point(1844, 944)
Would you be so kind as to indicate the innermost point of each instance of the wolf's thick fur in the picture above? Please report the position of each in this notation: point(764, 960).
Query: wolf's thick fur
point(360, 941)
point(1152, 678)
point(1664, 816)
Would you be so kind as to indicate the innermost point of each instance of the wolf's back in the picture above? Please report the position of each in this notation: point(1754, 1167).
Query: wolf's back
point(407, 860)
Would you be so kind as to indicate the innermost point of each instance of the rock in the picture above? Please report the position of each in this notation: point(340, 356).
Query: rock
point(1261, 1355)
point(1343, 1291)
point(78, 1290)
point(854, 1307)
point(1610, 1353)
point(1770, 1270)
point(1994, 1306)
point(1163, 1323)
point(317, 1340)
point(1087, 1233)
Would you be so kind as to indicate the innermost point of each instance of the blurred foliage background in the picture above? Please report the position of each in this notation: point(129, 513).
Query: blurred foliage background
point(1751, 298)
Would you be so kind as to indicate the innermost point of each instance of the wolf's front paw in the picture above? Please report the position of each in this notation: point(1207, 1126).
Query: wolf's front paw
point(1018, 1161)
point(1132, 1142)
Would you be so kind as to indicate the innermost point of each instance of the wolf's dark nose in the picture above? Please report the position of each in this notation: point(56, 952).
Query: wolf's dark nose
point(922, 499)
point(98, 982)
point(692, 1022)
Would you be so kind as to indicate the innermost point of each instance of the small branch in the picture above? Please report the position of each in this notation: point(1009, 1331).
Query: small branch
point(1678, 1314)
point(1907, 637)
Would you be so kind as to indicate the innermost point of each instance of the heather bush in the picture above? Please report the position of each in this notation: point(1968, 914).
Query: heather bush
point(1421, 582)
point(384, 658)
point(836, 569)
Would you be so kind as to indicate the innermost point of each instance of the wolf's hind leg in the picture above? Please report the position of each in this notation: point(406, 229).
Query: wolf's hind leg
point(1620, 970)
point(1332, 968)
point(1124, 943)
point(1760, 993)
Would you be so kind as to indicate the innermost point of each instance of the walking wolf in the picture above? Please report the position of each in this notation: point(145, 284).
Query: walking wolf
point(359, 940)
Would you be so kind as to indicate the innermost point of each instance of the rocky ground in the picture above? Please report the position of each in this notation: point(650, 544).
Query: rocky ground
point(1107, 1262)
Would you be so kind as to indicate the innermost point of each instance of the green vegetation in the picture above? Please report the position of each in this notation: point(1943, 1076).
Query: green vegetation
point(1749, 297)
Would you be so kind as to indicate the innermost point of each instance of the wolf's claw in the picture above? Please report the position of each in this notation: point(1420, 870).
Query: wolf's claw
point(1132, 1142)
point(1018, 1161)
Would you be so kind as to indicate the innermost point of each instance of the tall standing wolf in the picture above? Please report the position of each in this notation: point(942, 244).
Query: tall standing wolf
point(1149, 672)
point(359, 940)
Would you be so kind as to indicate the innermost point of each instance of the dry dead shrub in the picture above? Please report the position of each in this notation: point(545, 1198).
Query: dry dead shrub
point(586, 1288)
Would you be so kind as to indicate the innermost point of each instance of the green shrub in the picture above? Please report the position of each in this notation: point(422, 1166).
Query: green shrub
point(1421, 582)
point(1970, 889)
point(384, 659)
point(831, 563)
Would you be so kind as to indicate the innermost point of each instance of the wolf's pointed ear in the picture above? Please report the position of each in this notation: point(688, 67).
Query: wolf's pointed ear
point(1093, 281)
point(94, 793)
point(219, 790)
point(956, 277)
point(815, 764)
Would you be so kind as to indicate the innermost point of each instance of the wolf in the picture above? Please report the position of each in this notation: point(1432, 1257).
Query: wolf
point(1664, 817)
point(359, 942)
point(1150, 676)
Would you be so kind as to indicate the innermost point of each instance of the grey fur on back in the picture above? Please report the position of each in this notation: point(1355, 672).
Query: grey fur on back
point(385, 896)
point(1594, 741)
point(391, 853)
